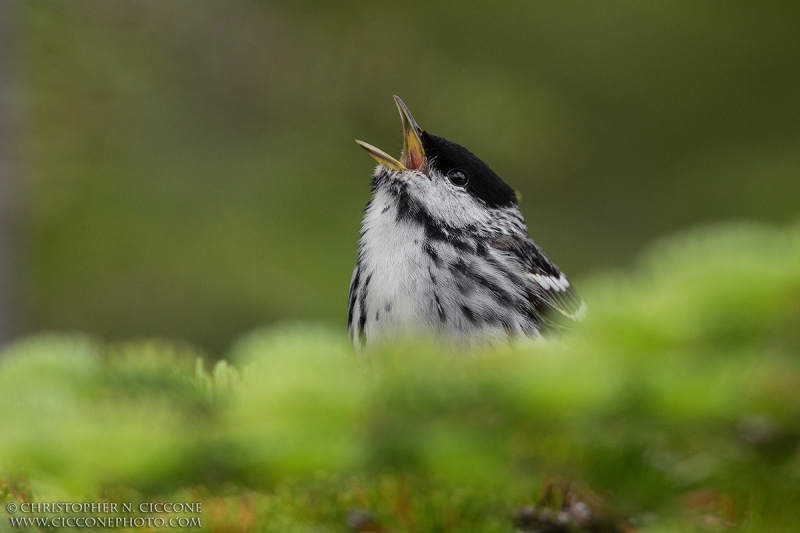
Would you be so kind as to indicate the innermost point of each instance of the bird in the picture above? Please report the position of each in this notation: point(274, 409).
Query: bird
point(444, 252)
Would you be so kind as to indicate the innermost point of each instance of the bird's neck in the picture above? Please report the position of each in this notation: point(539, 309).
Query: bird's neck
point(390, 247)
point(391, 255)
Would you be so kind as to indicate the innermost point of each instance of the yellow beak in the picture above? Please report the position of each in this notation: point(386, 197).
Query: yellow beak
point(413, 157)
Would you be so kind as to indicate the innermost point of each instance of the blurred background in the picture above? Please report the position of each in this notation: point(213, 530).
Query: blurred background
point(187, 169)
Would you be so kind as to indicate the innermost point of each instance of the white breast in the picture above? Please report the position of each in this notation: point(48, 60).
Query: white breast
point(399, 295)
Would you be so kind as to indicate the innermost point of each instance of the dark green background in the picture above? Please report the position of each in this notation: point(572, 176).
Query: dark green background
point(189, 167)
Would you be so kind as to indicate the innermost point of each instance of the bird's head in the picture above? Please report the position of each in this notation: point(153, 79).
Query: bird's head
point(439, 180)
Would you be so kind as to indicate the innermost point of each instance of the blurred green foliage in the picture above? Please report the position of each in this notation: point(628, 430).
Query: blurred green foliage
point(683, 386)
point(190, 171)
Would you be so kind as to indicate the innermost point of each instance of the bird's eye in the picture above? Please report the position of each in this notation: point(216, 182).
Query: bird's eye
point(457, 178)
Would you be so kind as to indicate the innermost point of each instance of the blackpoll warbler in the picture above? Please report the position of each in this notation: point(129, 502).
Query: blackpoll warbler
point(445, 251)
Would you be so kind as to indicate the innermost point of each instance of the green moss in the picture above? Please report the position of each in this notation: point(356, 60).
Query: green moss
point(684, 380)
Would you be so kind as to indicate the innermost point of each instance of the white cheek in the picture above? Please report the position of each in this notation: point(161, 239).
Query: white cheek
point(449, 204)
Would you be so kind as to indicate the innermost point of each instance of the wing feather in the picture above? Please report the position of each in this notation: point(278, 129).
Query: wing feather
point(551, 294)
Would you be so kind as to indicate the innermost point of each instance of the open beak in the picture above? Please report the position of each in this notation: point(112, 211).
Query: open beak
point(413, 157)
